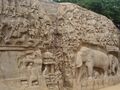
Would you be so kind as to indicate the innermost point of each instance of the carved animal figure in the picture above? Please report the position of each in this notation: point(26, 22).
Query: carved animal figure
point(91, 58)
point(114, 64)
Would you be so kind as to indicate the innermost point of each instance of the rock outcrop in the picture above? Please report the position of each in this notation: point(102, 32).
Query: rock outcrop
point(59, 28)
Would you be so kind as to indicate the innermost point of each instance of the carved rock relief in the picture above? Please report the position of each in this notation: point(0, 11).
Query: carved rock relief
point(49, 46)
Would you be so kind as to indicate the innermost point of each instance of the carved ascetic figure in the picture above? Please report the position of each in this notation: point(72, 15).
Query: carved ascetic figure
point(92, 58)
point(33, 74)
point(38, 61)
point(114, 64)
point(36, 69)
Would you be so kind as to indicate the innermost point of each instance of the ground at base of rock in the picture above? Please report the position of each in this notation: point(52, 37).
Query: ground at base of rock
point(116, 87)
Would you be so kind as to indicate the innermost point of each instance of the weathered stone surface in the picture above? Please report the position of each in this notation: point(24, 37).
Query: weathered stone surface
point(40, 41)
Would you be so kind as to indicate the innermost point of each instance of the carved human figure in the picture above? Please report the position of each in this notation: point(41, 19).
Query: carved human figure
point(32, 62)
point(45, 71)
point(36, 69)
point(114, 64)
point(38, 60)
point(96, 74)
point(33, 73)
point(92, 58)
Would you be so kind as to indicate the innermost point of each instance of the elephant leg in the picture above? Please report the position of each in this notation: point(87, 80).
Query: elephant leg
point(77, 75)
point(90, 69)
point(76, 84)
point(106, 71)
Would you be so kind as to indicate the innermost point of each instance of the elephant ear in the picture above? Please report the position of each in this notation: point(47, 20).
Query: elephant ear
point(78, 60)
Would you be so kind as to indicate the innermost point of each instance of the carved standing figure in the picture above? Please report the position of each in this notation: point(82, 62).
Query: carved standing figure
point(114, 64)
point(33, 74)
point(36, 67)
point(38, 61)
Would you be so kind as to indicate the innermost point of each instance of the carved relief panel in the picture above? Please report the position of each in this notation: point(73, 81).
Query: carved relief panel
point(49, 46)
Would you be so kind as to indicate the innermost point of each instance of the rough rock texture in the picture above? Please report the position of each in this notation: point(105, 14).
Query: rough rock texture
point(61, 29)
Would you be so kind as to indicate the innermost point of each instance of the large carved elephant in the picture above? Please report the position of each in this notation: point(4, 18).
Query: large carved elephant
point(114, 64)
point(91, 58)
